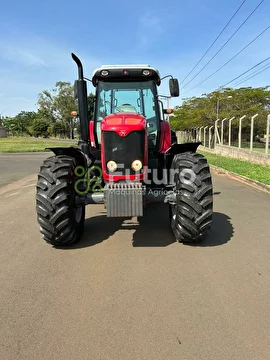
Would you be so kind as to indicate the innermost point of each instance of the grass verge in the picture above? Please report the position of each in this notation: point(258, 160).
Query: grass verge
point(30, 144)
point(252, 171)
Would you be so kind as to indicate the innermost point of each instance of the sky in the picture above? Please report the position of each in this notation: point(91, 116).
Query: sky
point(37, 38)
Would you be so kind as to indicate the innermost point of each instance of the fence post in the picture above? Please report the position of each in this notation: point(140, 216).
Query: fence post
point(230, 130)
point(216, 132)
point(196, 134)
point(200, 133)
point(210, 135)
point(204, 140)
point(267, 134)
point(252, 131)
point(222, 128)
point(240, 131)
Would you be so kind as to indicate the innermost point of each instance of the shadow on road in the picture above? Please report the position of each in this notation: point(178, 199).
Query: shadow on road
point(221, 232)
point(98, 229)
point(152, 230)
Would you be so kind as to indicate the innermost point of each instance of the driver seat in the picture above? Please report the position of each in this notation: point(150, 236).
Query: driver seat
point(126, 108)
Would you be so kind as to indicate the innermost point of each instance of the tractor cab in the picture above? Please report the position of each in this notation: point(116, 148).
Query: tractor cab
point(129, 89)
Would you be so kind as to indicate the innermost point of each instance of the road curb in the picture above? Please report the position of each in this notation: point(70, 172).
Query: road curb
point(244, 179)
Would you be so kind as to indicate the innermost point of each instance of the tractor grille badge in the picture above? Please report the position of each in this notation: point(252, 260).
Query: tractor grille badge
point(123, 133)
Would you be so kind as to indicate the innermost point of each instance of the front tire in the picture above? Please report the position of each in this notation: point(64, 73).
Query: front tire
point(191, 212)
point(61, 222)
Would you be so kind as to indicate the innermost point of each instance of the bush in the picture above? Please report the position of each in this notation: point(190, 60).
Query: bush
point(40, 127)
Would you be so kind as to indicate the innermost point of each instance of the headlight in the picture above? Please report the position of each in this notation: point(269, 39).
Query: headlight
point(146, 72)
point(104, 73)
point(136, 165)
point(111, 165)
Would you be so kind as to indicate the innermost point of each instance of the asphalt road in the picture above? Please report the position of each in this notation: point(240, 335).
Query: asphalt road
point(104, 299)
point(16, 166)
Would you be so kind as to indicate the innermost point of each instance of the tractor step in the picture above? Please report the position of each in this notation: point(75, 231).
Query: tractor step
point(124, 199)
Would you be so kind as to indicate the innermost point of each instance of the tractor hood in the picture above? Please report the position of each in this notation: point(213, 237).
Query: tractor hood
point(123, 123)
point(124, 143)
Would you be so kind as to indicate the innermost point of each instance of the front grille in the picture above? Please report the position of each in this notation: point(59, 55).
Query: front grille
point(124, 200)
point(124, 150)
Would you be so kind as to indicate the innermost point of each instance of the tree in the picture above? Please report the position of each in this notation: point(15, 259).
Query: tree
point(226, 103)
point(24, 121)
point(46, 105)
point(53, 115)
point(59, 128)
point(56, 106)
point(40, 128)
point(9, 125)
point(21, 123)
point(91, 105)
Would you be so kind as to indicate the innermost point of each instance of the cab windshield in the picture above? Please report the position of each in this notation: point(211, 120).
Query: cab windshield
point(131, 97)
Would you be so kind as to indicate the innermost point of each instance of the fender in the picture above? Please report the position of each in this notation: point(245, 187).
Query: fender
point(179, 149)
point(72, 152)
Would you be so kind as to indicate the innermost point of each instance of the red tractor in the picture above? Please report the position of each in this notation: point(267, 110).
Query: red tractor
point(125, 157)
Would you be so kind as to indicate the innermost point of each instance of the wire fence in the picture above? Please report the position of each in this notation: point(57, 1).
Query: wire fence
point(242, 133)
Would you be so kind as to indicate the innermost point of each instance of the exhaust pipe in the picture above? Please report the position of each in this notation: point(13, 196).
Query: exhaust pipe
point(81, 94)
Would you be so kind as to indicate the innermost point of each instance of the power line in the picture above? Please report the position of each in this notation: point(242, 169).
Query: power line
point(253, 67)
point(246, 77)
point(250, 77)
point(222, 47)
point(230, 59)
point(215, 40)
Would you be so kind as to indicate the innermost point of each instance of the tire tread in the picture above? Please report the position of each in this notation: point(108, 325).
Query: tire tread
point(195, 203)
point(55, 201)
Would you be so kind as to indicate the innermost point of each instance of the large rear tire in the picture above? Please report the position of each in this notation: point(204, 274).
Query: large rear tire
point(61, 221)
point(191, 213)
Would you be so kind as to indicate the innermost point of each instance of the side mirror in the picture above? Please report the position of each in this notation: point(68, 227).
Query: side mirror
point(174, 87)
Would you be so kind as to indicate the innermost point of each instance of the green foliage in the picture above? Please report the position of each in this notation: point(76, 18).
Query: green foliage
point(204, 110)
point(46, 105)
point(19, 124)
point(40, 127)
point(56, 105)
point(9, 125)
point(53, 116)
point(91, 105)
point(59, 128)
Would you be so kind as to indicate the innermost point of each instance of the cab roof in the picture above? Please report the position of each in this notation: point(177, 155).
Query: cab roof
point(126, 72)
